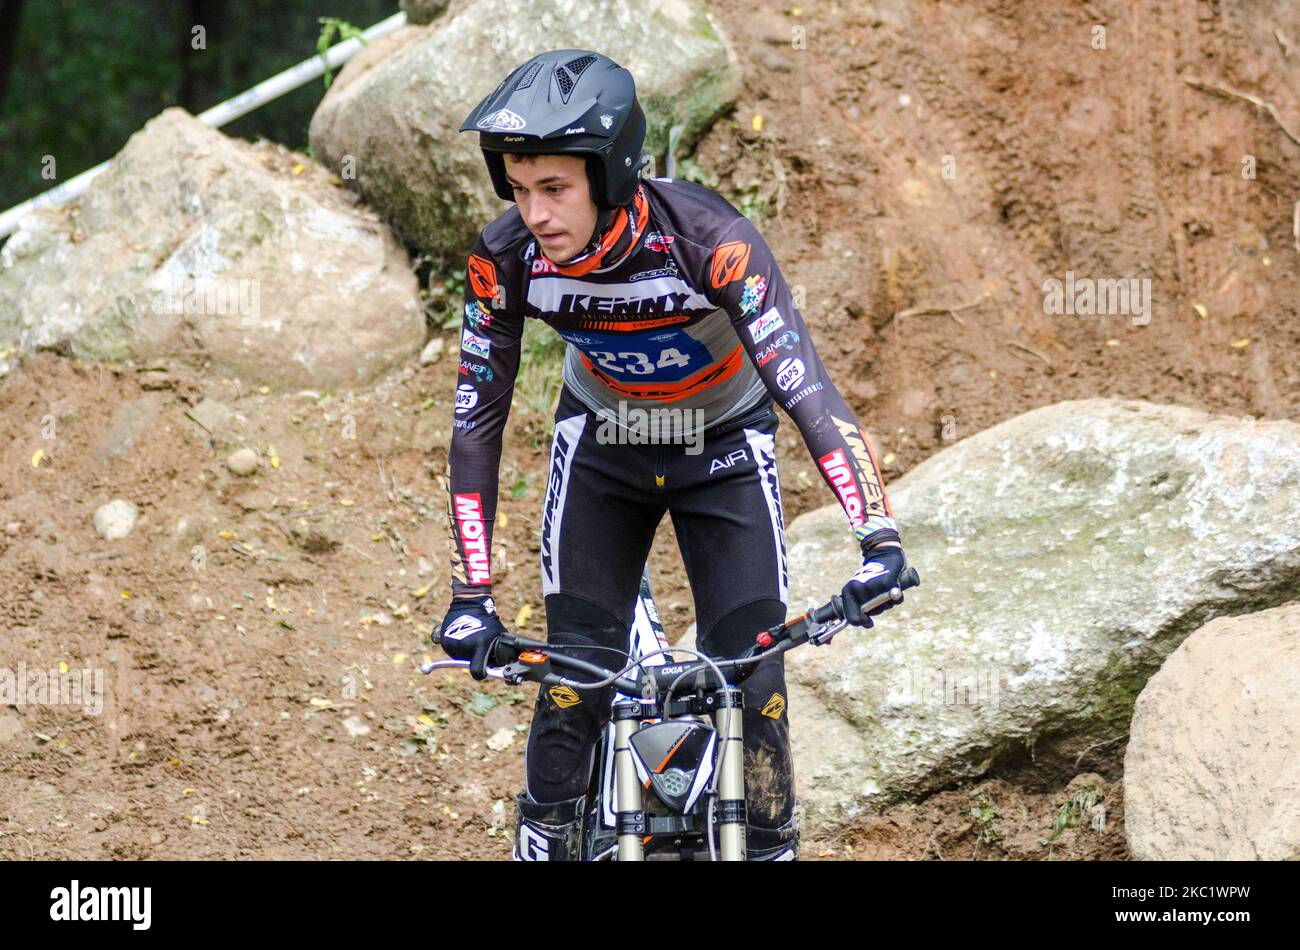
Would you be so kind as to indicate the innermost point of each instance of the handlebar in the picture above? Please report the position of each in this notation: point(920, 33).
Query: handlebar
point(516, 659)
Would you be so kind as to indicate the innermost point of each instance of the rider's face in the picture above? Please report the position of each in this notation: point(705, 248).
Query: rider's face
point(554, 201)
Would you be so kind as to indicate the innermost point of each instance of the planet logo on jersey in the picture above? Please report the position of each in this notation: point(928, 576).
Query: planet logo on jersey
point(789, 373)
point(729, 263)
point(466, 398)
point(482, 276)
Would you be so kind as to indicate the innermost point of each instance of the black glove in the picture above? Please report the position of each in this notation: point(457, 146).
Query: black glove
point(468, 632)
point(880, 572)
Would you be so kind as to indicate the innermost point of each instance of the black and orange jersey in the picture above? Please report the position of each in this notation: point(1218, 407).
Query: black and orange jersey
point(682, 307)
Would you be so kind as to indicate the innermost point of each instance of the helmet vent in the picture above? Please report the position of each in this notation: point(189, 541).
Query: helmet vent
point(529, 76)
point(576, 66)
point(566, 84)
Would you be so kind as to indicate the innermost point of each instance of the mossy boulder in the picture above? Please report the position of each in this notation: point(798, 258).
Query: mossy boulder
point(1064, 554)
point(388, 125)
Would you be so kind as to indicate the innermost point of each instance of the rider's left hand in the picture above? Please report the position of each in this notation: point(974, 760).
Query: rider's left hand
point(880, 572)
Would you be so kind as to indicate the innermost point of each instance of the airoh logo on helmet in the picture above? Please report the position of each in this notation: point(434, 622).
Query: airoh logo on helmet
point(502, 119)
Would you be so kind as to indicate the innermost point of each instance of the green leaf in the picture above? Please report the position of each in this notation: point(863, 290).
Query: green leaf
point(480, 703)
point(43, 737)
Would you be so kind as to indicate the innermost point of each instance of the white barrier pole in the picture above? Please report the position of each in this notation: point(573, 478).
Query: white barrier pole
point(218, 115)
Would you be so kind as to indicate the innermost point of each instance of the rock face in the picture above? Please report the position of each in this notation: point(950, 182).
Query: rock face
point(423, 11)
point(194, 243)
point(1212, 770)
point(1064, 554)
point(392, 115)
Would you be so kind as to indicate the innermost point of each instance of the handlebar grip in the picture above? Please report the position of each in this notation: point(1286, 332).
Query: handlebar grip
point(503, 651)
point(909, 578)
point(831, 610)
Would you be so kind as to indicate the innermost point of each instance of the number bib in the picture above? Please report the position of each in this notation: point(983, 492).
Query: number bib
point(664, 356)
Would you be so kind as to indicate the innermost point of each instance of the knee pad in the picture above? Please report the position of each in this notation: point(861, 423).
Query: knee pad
point(769, 765)
point(769, 762)
point(548, 832)
point(567, 721)
point(734, 633)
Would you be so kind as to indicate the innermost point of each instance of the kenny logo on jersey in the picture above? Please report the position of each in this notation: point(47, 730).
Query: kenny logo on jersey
point(559, 295)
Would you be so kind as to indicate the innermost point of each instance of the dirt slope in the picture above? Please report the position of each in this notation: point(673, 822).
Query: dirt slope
point(237, 645)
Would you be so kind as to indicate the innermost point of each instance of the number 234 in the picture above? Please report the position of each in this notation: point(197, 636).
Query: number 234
point(640, 363)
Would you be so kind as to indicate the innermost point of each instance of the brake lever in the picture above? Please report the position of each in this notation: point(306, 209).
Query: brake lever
point(823, 635)
point(493, 672)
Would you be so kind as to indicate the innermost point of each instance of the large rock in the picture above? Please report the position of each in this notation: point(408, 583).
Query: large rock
point(191, 242)
point(394, 111)
point(1212, 770)
point(1063, 554)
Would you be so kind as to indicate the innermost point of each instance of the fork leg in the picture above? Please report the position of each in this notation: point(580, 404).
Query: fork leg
point(729, 722)
point(629, 796)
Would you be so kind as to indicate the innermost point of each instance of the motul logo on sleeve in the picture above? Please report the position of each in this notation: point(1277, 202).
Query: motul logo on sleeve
point(473, 537)
point(838, 470)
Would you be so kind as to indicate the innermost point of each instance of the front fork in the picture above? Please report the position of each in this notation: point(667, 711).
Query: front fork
point(730, 812)
point(630, 814)
point(629, 796)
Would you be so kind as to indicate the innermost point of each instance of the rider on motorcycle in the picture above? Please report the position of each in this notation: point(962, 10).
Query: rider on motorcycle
point(669, 300)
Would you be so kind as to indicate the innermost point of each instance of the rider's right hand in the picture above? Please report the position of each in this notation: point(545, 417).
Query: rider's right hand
point(468, 632)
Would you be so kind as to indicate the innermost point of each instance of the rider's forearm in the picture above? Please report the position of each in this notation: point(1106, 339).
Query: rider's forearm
point(842, 451)
point(779, 344)
point(489, 362)
point(472, 485)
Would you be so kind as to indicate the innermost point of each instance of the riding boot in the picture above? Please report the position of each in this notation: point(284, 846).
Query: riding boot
point(548, 832)
point(773, 844)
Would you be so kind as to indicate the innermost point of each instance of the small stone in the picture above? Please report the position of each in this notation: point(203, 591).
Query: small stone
point(432, 351)
point(242, 462)
point(10, 726)
point(116, 519)
point(356, 727)
point(501, 739)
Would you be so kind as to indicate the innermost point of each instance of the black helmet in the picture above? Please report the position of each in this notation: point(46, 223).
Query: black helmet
point(568, 102)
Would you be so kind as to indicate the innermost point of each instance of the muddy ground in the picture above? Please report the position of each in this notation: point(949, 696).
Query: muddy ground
point(258, 635)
